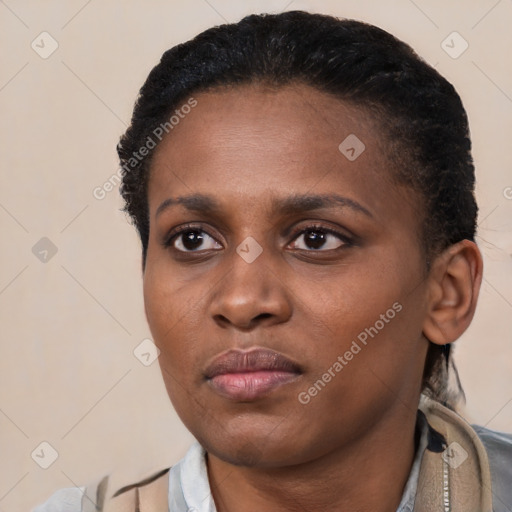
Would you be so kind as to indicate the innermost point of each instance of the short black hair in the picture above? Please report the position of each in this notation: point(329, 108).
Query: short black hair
point(425, 124)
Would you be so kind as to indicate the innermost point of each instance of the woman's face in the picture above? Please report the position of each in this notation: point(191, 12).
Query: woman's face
point(289, 311)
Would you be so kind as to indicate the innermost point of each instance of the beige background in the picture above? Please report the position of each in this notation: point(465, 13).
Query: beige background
point(70, 325)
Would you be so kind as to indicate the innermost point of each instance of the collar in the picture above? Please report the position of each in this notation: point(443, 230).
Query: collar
point(450, 471)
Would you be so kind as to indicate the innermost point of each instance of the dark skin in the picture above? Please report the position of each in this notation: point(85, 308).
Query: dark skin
point(351, 447)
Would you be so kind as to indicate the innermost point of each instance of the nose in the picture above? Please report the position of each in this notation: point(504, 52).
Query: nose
point(251, 294)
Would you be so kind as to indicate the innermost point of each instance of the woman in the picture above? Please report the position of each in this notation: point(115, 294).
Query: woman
point(303, 189)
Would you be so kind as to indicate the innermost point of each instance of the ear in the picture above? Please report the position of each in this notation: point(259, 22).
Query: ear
point(453, 286)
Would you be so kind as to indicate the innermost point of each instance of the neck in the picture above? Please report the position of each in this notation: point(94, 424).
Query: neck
point(369, 474)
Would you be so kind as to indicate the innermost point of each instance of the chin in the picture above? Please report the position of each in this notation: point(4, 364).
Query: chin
point(256, 449)
point(248, 455)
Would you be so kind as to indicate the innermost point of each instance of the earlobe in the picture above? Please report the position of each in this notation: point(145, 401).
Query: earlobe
point(453, 285)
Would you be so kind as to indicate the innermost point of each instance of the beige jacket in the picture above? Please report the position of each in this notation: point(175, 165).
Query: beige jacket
point(463, 469)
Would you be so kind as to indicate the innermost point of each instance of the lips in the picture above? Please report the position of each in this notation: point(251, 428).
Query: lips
point(249, 375)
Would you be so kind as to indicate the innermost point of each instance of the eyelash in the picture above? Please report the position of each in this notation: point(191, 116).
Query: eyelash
point(347, 241)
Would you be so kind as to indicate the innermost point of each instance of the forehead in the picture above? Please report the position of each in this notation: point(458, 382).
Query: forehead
point(251, 144)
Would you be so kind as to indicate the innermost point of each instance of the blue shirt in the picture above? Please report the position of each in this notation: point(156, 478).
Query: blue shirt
point(189, 488)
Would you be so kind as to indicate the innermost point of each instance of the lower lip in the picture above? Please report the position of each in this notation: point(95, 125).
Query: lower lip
point(250, 386)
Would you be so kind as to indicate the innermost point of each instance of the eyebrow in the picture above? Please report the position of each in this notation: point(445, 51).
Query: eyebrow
point(296, 203)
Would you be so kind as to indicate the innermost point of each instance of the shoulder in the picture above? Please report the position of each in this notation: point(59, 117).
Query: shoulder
point(498, 446)
point(63, 500)
point(77, 499)
point(99, 496)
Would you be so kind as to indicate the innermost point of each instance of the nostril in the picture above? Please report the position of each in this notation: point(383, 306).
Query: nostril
point(221, 319)
point(262, 316)
point(224, 321)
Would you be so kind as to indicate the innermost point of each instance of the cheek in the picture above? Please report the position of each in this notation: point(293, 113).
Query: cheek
point(370, 315)
point(173, 320)
point(363, 365)
point(348, 302)
point(172, 312)
point(168, 297)
point(171, 317)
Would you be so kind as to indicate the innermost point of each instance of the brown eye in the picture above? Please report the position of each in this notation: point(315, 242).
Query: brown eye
point(193, 240)
point(318, 238)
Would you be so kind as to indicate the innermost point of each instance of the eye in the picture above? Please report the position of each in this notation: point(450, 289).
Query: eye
point(319, 238)
point(189, 239)
point(192, 239)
